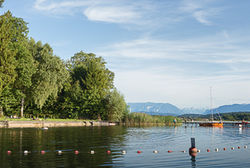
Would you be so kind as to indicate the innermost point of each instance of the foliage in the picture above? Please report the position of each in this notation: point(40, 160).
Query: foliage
point(35, 82)
point(13, 32)
point(93, 82)
point(142, 118)
point(116, 107)
point(50, 75)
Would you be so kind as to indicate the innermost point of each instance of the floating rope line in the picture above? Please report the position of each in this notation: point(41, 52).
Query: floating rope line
point(123, 152)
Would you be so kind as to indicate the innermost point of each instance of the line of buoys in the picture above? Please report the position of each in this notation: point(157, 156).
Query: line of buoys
point(76, 152)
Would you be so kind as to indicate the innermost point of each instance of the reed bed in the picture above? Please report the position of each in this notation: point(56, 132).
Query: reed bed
point(142, 119)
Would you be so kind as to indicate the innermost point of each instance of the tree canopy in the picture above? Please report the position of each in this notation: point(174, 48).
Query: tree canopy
point(34, 81)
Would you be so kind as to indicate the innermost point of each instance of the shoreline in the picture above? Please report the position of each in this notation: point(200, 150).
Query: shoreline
point(41, 124)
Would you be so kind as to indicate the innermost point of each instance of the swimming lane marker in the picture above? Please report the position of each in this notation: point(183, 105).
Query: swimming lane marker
point(192, 149)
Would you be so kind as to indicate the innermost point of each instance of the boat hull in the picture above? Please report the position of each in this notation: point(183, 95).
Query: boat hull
point(211, 124)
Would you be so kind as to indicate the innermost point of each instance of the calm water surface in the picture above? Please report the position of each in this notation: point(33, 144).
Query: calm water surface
point(131, 139)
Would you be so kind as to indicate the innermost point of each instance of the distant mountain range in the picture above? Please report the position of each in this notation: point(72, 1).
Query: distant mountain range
point(230, 108)
point(169, 109)
point(155, 108)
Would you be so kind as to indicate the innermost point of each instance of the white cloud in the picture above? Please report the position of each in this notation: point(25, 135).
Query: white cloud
point(113, 14)
point(200, 10)
point(141, 12)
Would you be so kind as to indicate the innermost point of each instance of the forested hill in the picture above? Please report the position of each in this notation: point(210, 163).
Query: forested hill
point(230, 108)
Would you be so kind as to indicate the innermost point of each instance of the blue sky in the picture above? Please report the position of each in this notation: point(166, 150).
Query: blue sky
point(160, 50)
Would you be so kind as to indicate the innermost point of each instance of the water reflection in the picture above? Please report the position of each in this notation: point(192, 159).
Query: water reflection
point(85, 139)
point(130, 139)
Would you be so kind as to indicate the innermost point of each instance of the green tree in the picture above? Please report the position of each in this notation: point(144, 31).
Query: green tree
point(13, 31)
point(115, 107)
point(25, 69)
point(50, 74)
point(95, 81)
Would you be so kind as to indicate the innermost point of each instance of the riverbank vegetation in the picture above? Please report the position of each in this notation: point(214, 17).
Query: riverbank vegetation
point(146, 119)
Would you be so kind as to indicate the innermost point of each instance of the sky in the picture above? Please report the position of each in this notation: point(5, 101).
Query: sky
point(169, 51)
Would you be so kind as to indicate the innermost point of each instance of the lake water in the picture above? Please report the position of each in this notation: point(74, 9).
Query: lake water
point(131, 139)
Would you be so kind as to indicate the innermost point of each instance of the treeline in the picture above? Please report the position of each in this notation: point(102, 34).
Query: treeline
point(233, 116)
point(35, 82)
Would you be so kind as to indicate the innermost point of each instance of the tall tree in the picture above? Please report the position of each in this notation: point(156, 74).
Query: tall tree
point(25, 69)
point(94, 79)
point(13, 31)
point(50, 75)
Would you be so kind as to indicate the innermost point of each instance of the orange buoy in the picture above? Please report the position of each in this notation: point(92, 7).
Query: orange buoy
point(238, 147)
point(224, 149)
point(193, 150)
point(208, 150)
point(76, 152)
point(170, 151)
point(138, 152)
point(108, 152)
point(42, 152)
